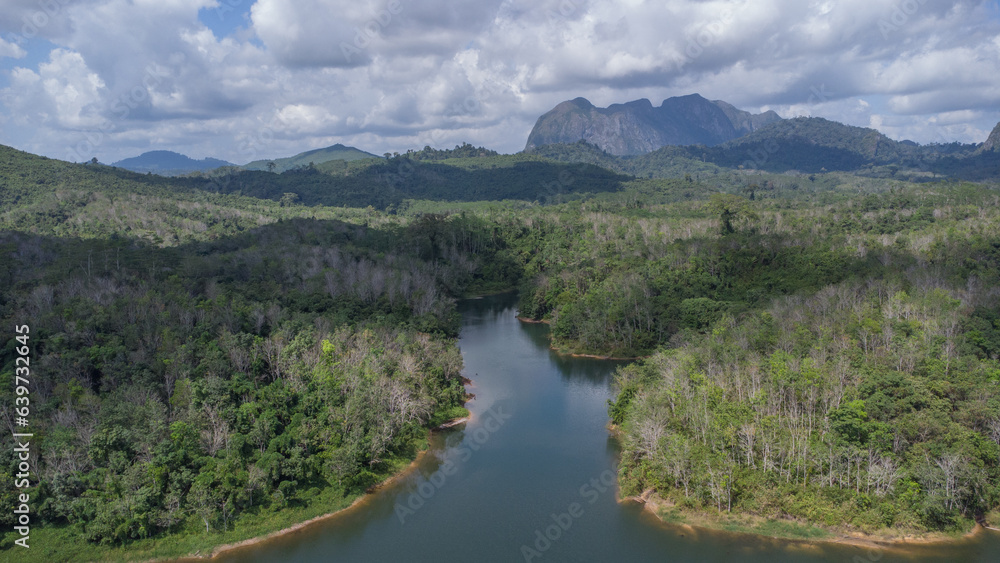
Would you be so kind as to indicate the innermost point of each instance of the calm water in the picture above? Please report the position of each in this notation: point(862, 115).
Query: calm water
point(536, 459)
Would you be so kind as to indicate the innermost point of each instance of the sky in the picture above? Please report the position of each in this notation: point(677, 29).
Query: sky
point(243, 80)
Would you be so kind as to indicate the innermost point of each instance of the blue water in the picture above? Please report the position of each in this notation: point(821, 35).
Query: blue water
point(531, 478)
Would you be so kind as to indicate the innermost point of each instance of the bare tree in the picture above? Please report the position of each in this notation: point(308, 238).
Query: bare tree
point(747, 440)
point(215, 436)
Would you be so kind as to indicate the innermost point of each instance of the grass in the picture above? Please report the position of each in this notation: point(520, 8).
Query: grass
point(65, 543)
point(447, 415)
point(746, 524)
point(480, 289)
point(792, 529)
point(780, 529)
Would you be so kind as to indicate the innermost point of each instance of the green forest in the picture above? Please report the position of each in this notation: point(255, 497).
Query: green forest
point(224, 349)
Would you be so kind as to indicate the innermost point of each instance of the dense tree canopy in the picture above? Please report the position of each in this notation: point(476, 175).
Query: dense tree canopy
point(823, 347)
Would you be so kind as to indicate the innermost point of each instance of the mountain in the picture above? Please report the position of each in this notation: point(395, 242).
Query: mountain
point(811, 144)
point(168, 163)
point(993, 142)
point(638, 128)
point(318, 156)
point(744, 121)
point(383, 183)
point(802, 144)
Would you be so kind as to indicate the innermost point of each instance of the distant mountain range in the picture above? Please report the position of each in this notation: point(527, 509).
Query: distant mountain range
point(802, 144)
point(318, 156)
point(638, 128)
point(684, 134)
point(169, 163)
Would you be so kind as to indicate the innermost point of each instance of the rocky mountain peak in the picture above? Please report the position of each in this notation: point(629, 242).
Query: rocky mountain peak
point(993, 141)
point(637, 127)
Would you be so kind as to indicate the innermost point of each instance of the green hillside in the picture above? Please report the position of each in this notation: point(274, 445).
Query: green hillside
point(168, 163)
point(317, 156)
point(54, 198)
point(823, 347)
point(166, 314)
point(388, 183)
point(800, 145)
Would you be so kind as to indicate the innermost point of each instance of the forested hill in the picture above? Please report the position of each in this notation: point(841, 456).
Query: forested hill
point(167, 163)
point(44, 196)
point(803, 145)
point(337, 152)
point(219, 365)
point(386, 183)
point(811, 144)
point(430, 174)
point(833, 363)
point(208, 365)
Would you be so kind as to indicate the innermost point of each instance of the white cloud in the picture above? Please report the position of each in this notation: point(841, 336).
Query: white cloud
point(63, 94)
point(12, 50)
point(389, 75)
point(307, 119)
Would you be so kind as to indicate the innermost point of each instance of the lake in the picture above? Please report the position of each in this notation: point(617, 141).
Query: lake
point(531, 478)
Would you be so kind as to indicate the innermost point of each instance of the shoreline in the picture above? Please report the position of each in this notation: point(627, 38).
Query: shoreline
point(250, 542)
point(489, 293)
point(653, 503)
point(693, 520)
point(574, 354)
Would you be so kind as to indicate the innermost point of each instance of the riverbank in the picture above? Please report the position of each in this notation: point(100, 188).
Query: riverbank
point(489, 293)
point(232, 547)
point(691, 520)
point(688, 520)
point(359, 500)
point(565, 352)
point(64, 544)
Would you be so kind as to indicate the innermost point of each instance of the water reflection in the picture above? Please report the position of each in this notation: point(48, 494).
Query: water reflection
point(593, 372)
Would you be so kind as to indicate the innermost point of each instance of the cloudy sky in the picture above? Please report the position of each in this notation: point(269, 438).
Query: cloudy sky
point(248, 79)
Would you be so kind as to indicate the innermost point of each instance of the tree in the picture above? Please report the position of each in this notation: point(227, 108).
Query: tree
point(733, 211)
point(850, 422)
point(204, 499)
